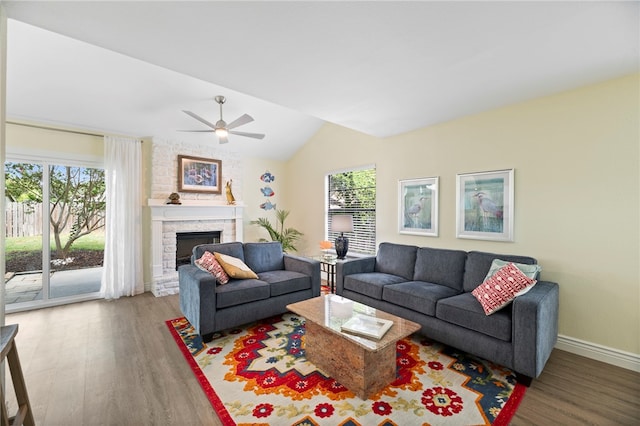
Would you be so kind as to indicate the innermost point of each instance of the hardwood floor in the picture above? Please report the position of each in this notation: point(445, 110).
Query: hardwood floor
point(115, 363)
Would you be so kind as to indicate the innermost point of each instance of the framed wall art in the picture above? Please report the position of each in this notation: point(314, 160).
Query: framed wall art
point(484, 205)
point(418, 206)
point(196, 174)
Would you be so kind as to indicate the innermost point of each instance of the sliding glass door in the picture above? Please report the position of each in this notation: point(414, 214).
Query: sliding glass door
point(54, 233)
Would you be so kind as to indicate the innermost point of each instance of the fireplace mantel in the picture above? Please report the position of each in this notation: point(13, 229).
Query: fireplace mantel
point(193, 210)
point(192, 215)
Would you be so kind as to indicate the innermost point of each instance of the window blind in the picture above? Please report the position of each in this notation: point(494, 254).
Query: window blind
point(354, 192)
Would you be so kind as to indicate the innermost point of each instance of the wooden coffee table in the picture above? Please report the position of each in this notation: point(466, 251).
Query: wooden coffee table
point(364, 366)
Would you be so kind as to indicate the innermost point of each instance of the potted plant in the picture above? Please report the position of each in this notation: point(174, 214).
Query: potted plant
point(286, 236)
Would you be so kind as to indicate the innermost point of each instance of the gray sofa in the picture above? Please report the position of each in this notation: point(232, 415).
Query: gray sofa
point(283, 279)
point(433, 288)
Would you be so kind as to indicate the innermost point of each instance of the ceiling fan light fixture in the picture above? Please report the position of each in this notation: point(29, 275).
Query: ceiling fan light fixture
point(221, 128)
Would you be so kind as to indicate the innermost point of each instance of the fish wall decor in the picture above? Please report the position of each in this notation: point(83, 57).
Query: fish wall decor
point(267, 191)
point(267, 177)
point(267, 205)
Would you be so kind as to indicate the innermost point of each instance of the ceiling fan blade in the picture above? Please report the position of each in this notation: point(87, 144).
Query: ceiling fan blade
point(200, 119)
point(249, 135)
point(222, 139)
point(197, 131)
point(243, 119)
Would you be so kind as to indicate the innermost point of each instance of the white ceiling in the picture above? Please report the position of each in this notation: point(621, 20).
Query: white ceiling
point(382, 68)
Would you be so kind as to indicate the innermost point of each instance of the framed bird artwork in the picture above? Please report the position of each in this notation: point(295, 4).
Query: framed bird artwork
point(418, 206)
point(196, 174)
point(484, 205)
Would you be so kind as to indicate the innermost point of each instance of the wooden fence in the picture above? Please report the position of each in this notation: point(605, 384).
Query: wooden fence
point(25, 220)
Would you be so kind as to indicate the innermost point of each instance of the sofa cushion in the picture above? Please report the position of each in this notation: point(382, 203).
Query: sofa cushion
point(234, 267)
point(238, 292)
point(478, 265)
point(396, 259)
point(440, 266)
point(370, 283)
point(231, 249)
point(418, 296)
point(532, 271)
point(209, 264)
point(464, 310)
point(283, 282)
point(261, 257)
point(501, 288)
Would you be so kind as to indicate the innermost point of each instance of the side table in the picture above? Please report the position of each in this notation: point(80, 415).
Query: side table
point(328, 266)
point(8, 350)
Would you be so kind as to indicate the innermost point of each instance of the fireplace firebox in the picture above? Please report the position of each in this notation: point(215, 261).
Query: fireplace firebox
point(185, 241)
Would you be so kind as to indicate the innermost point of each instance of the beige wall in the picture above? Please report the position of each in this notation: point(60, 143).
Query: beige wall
point(27, 139)
point(253, 169)
point(576, 160)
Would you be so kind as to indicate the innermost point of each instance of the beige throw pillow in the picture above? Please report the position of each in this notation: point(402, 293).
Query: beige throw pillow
point(234, 267)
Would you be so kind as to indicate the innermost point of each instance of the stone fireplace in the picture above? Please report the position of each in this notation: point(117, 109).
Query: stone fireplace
point(193, 216)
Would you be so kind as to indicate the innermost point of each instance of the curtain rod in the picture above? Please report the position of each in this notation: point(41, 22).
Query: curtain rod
point(77, 132)
point(35, 126)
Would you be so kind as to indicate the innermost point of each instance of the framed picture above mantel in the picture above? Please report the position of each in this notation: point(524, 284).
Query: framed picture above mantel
point(197, 174)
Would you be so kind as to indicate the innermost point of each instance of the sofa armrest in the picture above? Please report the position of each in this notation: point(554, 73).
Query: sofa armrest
point(306, 266)
point(197, 297)
point(535, 327)
point(353, 266)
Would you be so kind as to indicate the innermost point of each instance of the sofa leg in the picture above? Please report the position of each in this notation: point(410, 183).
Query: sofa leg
point(524, 380)
point(206, 338)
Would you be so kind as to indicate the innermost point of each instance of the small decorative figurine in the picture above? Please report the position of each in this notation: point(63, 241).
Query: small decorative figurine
point(230, 198)
point(174, 198)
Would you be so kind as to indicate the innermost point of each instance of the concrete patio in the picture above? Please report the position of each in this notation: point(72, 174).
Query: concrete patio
point(27, 287)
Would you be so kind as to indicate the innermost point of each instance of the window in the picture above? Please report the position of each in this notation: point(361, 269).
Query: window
point(354, 192)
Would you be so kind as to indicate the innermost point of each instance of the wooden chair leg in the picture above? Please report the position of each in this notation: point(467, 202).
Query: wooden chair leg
point(24, 416)
point(8, 349)
point(3, 409)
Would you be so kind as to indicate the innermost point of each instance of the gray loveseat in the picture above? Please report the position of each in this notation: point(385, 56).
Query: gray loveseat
point(433, 288)
point(283, 279)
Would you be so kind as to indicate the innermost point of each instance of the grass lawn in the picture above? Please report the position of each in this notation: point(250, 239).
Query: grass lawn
point(93, 241)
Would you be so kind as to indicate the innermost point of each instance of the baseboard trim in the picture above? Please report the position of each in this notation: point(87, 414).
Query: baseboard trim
point(612, 356)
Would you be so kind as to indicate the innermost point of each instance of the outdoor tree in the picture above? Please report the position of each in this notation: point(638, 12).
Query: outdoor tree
point(355, 190)
point(76, 198)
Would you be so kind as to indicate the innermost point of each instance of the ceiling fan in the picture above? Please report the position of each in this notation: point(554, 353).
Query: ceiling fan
point(221, 128)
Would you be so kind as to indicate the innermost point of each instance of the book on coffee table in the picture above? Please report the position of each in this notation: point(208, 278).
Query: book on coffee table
point(364, 325)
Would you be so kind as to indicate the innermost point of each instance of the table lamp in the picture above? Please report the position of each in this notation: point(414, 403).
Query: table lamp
point(342, 223)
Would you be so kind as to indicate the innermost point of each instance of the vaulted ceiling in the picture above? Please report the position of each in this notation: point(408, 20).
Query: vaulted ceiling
point(382, 68)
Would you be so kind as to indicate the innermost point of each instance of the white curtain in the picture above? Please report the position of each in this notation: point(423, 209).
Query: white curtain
point(122, 272)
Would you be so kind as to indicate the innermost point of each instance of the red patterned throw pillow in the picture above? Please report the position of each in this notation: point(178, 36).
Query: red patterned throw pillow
point(209, 264)
point(503, 286)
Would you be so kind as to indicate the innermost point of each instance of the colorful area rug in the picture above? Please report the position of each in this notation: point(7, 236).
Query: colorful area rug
point(259, 375)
